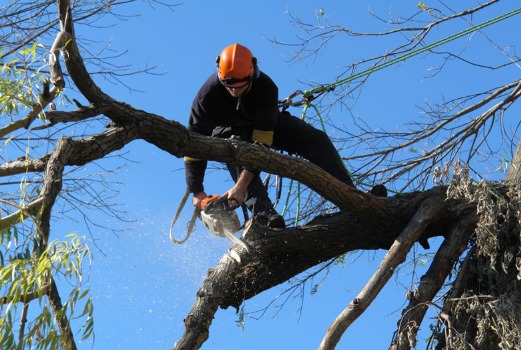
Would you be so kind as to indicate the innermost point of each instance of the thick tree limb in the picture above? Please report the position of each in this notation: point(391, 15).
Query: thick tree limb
point(261, 158)
point(175, 139)
point(277, 255)
point(84, 151)
point(212, 292)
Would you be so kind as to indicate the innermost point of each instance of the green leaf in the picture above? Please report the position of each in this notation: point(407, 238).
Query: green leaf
point(422, 6)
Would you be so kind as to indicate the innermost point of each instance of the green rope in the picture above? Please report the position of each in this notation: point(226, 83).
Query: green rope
point(288, 196)
point(297, 213)
point(286, 204)
point(306, 94)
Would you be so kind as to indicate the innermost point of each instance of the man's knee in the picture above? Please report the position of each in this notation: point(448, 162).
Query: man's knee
point(317, 143)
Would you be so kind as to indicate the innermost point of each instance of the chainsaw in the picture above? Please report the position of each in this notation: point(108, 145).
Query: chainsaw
point(219, 216)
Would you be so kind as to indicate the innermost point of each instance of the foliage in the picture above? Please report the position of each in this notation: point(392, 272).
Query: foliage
point(26, 280)
point(30, 268)
point(19, 77)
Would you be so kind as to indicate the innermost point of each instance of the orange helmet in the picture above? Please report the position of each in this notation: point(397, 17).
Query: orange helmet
point(236, 65)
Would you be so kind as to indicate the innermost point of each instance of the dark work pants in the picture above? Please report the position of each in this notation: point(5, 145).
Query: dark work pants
point(294, 136)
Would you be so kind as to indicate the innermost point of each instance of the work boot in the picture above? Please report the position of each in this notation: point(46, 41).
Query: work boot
point(270, 219)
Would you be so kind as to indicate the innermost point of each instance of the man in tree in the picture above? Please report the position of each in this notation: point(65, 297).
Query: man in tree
point(242, 101)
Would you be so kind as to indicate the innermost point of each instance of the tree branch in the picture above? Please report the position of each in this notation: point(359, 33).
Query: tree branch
point(29, 210)
point(74, 62)
point(26, 297)
point(54, 117)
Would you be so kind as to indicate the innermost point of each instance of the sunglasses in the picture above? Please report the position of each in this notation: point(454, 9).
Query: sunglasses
point(234, 83)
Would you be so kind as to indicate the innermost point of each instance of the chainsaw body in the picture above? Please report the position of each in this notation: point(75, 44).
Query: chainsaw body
point(220, 217)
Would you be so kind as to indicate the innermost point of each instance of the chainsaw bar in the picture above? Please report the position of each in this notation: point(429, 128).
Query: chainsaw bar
point(222, 220)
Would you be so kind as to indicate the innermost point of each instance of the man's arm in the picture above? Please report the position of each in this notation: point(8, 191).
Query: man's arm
point(194, 174)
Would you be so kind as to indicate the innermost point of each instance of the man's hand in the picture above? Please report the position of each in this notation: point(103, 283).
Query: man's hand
point(238, 191)
point(197, 198)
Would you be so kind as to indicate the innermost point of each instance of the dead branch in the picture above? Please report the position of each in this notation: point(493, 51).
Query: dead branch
point(396, 255)
point(430, 284)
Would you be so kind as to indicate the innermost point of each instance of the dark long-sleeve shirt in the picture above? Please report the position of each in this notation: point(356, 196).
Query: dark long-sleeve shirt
point(255, 112)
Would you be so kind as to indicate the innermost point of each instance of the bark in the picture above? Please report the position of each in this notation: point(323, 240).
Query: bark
point(51, 188)
point(61, 319)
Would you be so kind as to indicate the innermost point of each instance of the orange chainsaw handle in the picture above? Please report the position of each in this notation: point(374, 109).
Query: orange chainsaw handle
point(214, 198)
point(208, 200)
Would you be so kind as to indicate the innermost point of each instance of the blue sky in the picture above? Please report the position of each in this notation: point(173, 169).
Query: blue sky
point(143, 285)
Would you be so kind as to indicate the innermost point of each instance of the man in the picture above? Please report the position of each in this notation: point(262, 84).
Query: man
point(242, 101)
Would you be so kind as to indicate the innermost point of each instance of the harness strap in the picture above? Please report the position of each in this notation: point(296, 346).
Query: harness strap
point(191, 224)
